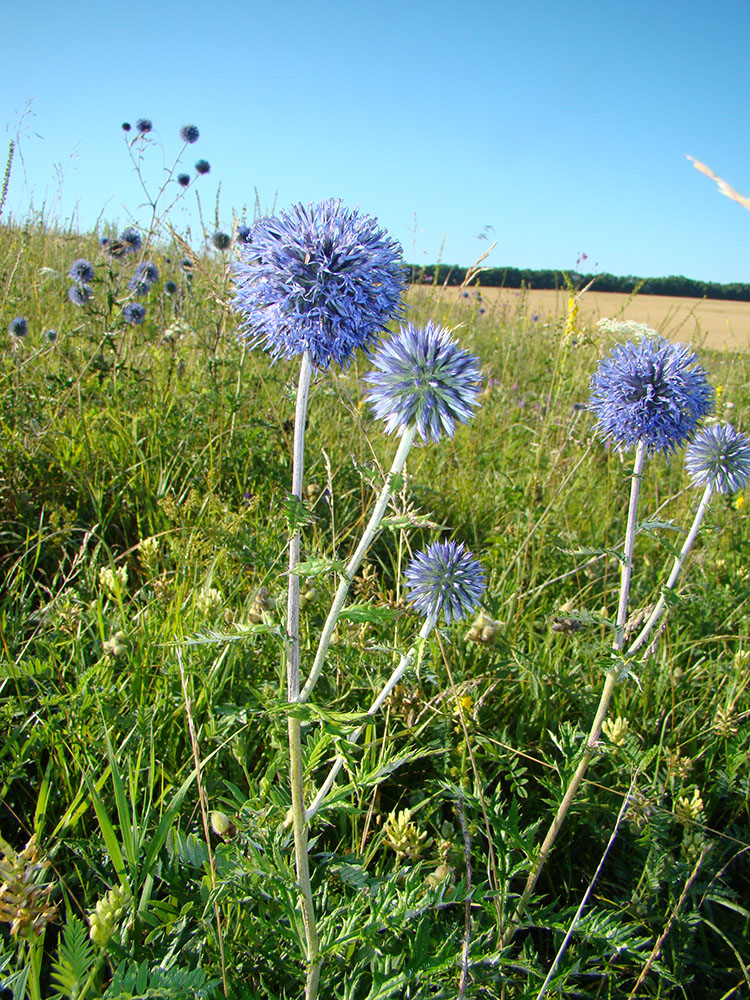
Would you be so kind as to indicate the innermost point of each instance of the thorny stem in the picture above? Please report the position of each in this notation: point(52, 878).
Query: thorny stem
point(292, 680)
point(354, 563)
point(601, 713)
point(676, 570)
point(404, 664)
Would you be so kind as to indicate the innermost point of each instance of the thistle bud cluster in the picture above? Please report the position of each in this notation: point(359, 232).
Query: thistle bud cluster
point(24, 900)
point(113, 581)
point(116, 646)
point(484, 630)
point(109, 910)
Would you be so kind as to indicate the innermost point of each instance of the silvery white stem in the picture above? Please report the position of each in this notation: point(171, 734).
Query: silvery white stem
point(354, 563)
point(626, 570)
point(676, 570)
point(403, 665)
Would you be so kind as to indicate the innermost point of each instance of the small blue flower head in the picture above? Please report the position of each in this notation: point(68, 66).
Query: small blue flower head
point(134, 313)
point(719, 457)
point(203, 167)
point(445, 577)
point(82, 271)
point(651, 391)
point(320, 278)
point(170, 287)
point(183, 180)
point(79, 295)
point(126, 126)
point(144, 125)
point(221, 240)
point(132, 239)
point(423, 376)
point(18, 327)
point(189, 133)
point(50, 336)
point(243, 232)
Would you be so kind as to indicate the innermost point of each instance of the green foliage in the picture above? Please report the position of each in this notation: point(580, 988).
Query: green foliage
point(163, 458)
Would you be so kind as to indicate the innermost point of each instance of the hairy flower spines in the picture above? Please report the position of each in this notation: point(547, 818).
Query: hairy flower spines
point(425, 377)
point(650, 391)
point(319, 278)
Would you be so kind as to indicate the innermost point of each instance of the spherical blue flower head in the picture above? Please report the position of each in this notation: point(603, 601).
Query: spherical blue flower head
point(146, 271)
point(82, 271)
point(144, 125)
point(221, 240)
point(132, 238)
point(183, 180)
point(139, 286)
point(650, 391)
point(445, 578)
point(189, 133)
point(423, 376)
point(50, 336)
point(720, 457)
point(126, 126)
point(79, 295)
point(18, 327)
point(203, 166)
point(319, 278)
point(170, 287)
point(134, 313)
point(243, 232)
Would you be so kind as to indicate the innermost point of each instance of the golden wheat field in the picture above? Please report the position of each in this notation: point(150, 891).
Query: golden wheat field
point(713, 323)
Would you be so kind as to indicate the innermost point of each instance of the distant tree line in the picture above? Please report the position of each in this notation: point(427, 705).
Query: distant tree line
point(515, 277)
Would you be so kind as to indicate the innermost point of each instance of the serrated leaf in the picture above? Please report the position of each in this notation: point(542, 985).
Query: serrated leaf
point(315, 567)
point(359, 613)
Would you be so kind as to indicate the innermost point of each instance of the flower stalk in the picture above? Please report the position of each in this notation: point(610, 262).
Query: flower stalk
point(354, 563)
point(292, 675)
point(610, 681)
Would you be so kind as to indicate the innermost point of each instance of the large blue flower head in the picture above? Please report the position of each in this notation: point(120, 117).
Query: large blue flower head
point(132, 239)
point(719, 457)
point(650, 391)
point(423, 376)
point(445, 578)
point(320, 278)
point(79, 295)
point(134, 313)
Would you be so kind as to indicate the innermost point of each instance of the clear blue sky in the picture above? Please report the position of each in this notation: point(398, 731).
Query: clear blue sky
point(564, 127)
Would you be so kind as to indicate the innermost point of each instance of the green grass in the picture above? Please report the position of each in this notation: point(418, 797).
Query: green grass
point(117, 434)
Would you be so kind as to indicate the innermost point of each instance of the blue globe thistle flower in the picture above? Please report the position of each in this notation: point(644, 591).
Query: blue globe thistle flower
point(203, 166)
point(144, 125)
point(445, 578)
point(18, 327)
point(221, 240)
point(170, 287)
point(79, 295)
point(423, 376)
point(650, 391)
point(103, 241)
point(139, 287)
point(189, 133)
point(719, 457)
point(50, 336)
point(132, 239)
point(186, 264)
point(147, 271)
point(126, 126)
point(134, 313)
point(319, 278)
point(81, 270)
point(183, 180)
point(243, 232)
